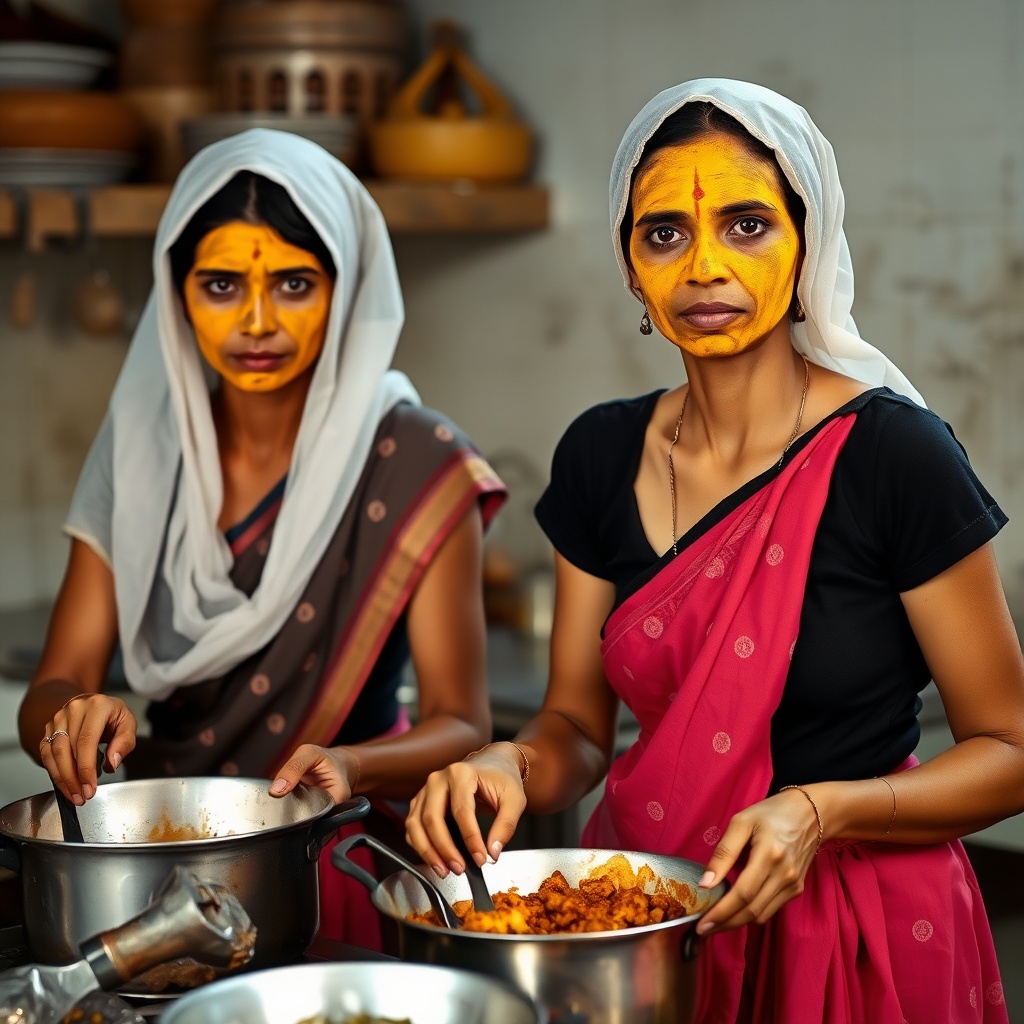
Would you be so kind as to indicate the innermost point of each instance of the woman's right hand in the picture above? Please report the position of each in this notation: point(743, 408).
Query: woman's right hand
point(490, 779)
point(75, 733)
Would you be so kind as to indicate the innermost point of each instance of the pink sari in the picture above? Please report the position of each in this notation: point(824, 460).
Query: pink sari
point(883, 933)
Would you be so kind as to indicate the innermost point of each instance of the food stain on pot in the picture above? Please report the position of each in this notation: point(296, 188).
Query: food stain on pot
point(166, 831)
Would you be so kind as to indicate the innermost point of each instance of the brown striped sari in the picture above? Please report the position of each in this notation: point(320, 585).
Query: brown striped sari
point(421, 477)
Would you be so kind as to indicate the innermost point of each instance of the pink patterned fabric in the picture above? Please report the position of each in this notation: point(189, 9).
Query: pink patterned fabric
point(882, 934)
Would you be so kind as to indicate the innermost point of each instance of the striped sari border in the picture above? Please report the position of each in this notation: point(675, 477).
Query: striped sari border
point(446, 499)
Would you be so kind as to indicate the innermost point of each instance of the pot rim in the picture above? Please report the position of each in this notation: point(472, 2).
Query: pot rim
point(619, 934)
point(180, 844)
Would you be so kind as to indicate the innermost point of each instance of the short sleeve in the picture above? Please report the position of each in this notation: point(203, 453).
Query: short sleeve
point(90, 518)
point(566, 510)
point(931, 508)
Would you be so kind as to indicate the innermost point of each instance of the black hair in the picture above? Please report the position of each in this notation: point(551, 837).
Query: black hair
point(689, 122)
point(254, 199)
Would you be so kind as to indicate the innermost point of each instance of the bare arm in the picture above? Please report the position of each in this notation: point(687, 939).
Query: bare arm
point(447, 635)
point(964, 628)
point(569, 743)
point(79, 645)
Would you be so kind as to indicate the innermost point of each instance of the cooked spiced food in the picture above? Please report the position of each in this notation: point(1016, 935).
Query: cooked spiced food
point(612, 897)
point(362, 1018)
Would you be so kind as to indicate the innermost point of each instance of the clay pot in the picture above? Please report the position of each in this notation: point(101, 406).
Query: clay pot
point(167, 55)
point(68, 120)
point(193, 13)
point(447, 143)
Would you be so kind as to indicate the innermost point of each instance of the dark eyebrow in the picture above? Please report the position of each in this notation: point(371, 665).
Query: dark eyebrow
point(218, 273)
point(747, 206)
point(660, 216)
point(289, 271)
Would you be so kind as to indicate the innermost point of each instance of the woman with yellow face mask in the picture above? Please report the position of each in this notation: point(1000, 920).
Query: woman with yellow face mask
point(767, 564)
point(269, 522)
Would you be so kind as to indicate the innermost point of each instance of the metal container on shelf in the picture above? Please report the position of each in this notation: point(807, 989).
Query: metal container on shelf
point(263, 848)
point(310, 56)
point(337, 133)
point(644, 975)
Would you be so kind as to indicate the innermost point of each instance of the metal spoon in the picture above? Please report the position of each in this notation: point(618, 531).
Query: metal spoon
point(477, 886)
point(68, 818)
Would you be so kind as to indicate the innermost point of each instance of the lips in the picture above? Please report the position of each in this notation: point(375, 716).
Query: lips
point(259, 361)
point(710, 315)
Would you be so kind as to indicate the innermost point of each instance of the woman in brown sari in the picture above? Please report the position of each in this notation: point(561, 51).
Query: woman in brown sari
point(268, 553)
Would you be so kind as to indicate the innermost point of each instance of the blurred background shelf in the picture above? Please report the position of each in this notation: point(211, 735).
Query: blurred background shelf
point(409, 208)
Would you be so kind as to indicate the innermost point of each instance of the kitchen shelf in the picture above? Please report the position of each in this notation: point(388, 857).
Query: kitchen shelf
point(408, 207)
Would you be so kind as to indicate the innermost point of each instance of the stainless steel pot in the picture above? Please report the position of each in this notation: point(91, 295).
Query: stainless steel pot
point(288, 995)
point(635, 976)
point(263, 848)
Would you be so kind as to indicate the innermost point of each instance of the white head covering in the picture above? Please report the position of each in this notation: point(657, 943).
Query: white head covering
point(166, 474)
point(828, 336)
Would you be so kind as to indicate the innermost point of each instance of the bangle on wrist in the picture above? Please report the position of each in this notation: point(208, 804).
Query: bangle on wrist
point(524, 774)
point(821, 831)
point(77, 696)
point(892, 820)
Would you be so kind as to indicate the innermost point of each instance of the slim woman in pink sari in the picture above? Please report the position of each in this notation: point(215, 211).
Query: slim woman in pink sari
point(766, 565)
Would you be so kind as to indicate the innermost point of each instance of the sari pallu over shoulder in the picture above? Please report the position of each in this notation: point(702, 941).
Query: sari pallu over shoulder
point(700, 655)
point(421, 478)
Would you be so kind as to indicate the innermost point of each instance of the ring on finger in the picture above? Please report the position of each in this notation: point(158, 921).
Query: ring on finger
point(47, 739)
point(59, 732)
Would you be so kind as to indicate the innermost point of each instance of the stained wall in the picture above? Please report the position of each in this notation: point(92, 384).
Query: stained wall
point(514, 336)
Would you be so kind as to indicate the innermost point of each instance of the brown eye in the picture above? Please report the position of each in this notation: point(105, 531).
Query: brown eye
point(750, 227)
point(664, 235)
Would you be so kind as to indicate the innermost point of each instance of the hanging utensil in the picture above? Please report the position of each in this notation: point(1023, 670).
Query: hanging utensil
point(99, 307)
point(23, 295)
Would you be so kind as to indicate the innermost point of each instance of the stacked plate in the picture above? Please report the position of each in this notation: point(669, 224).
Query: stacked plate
point(50, 65)
point(337, 133)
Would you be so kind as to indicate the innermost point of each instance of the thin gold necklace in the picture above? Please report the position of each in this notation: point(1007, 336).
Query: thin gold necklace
point(675, 437)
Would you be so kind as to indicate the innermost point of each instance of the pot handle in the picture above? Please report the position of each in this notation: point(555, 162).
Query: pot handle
point(10, 855)
point(323, 828)
point(689, 946)
point(340, 859)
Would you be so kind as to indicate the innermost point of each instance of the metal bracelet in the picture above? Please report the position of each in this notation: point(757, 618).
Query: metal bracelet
point(892, 820)
point(821, 831)
point(524, 775)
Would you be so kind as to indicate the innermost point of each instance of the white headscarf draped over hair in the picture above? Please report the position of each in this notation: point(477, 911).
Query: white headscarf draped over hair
point(166, 473)
point(828, 336)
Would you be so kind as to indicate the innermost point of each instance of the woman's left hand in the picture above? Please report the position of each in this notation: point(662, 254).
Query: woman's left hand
point(783, 835)
point(333, 769)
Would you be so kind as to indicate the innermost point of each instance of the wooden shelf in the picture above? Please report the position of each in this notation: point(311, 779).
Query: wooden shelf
point(409, 208)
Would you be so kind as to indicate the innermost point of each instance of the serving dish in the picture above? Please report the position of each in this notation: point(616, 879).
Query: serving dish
point(31, 65)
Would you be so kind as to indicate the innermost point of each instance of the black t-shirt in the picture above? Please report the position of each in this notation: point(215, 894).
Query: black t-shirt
point(903, 505)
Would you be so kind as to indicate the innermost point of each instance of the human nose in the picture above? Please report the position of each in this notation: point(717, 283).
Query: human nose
point(707, 264)
point(258, 319)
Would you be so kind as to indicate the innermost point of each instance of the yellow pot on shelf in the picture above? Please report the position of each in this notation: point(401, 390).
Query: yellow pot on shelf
point(450, 144)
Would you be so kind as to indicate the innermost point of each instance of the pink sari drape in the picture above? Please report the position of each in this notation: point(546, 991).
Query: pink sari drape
point(883, 933)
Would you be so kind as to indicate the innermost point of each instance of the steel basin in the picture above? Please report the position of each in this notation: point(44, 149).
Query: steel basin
point(642, 975)
point(263, 848)
point(288, 995)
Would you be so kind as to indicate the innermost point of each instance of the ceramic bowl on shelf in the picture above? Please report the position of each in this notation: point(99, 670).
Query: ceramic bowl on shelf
point(68, 120)
point(64, 168)
point(337, 133)
point(30, 65)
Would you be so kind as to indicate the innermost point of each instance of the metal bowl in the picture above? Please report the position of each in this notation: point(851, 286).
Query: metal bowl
point(337, 133)
point(633, 976)
point(263, 848)
point(288, 995)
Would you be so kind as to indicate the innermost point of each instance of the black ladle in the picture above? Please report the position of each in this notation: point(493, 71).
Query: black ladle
point(477, 886)
point(69, 823)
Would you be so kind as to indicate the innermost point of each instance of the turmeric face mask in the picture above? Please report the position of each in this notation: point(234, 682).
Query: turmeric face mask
point(714, 251)
point(258, 305)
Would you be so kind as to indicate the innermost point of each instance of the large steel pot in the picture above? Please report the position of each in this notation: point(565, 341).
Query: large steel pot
point(263, 848)
point(635, 976)
point(288, 995)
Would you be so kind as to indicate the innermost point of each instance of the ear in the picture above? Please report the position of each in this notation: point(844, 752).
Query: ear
point(634, 282)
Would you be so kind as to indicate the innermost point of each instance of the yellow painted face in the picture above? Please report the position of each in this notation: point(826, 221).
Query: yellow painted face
point(714, 251)
point(258, 305)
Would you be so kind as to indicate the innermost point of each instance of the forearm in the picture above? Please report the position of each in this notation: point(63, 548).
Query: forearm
point(973, 785)
point(565, 764)
point(40, 704)
point(394, 768)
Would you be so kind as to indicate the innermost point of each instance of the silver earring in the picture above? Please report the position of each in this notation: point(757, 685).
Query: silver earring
point(645, 323)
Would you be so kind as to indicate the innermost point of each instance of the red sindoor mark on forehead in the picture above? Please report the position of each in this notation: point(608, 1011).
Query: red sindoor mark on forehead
point(698, 192)
point(256, 251)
